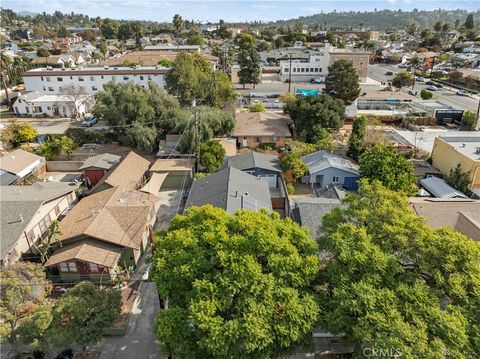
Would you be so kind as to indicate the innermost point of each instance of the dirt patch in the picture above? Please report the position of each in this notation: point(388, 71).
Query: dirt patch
point(129, 294)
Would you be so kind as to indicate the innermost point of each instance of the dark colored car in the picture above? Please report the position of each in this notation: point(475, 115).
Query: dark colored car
point(89, 121)
point(389, 73)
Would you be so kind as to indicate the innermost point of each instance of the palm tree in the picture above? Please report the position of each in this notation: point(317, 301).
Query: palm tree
point(414, 63)
point(5, 63)
point(177, 22)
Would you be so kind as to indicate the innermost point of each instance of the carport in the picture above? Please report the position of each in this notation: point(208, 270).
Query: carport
point(177, 173)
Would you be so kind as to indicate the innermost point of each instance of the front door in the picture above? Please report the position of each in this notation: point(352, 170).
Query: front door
point(319, 180)
point(56, 112)
point(244, 141)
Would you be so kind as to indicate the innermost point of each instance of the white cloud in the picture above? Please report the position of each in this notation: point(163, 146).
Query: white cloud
point(392, 1)
point(262, 7)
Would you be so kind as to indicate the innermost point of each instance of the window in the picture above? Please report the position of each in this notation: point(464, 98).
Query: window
point(94, 88)
point(335, 179)
point(125, 78)
point(102, 77)
point(16, 109)
point(286, 69)
point(50, 88)
point(311, 69)
point(92, 78)
point(257, 139)
point(294, 69)
point(149, 77)
point(68, 267)
point(113, 78)
point(37, 109)
point(48, 79)
point(41, 77)
point(273, 138)
point(59, 79)
point(141, 78)
point(60, 88)
point(27, 109)
point(80, 78)
point(49, 108)
point(71, 77)
point(93, 267)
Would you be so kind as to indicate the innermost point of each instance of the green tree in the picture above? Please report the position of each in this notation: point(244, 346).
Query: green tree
point(17, 133)
point(426, 95)
point(43, 52)
point(191, 77)
point(238, 286)
point(223, 32)
point(5, 64)
point(54, 146)
point(194, 38)
point(394, 171)
point(212, 155)
point(47, 244)
point(412, 28)
point(402, 79)
point(458, 179)
point(469, 23)
point(63, 32)
point(342, 81)
point(137, 30)
point(257, 107)
point(246, 42)
point(249, 61)
point(102, 47)
point(124, 31)
point(395, 284)
point(312, 114)
point(177, 23)
point(438, 26)
point(294, 165)
point(22, 288)
point(469, 121)
point(109, 28)
point(356, 142)
point(81, 315)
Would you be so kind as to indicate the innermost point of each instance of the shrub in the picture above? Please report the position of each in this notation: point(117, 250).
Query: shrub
point(290, 188)
point(82, 136)
point(257, 107)
point(426, 95)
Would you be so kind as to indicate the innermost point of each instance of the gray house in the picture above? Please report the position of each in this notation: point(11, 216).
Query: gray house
point(265, 167)
point(325, 168)
point(230, 189)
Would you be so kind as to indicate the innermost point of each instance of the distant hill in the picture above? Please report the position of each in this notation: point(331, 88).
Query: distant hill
point(27, 13)
point(382, 19)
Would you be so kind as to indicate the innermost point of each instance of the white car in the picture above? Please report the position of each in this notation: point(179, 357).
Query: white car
point(462, 93)
point(403, 66)
point(419, 79)
point(432, 88)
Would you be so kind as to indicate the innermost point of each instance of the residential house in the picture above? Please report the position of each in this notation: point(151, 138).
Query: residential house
point(449, 151)
point(105, 230)
point(256, 128)
point(437, 187)
point(26, 214)
point(130, 172)
point(63, 61)
point(463, 215)
point(38, 104)
point(325, 168)
point(170, 174)
point(231, 190)
point(308, 212)
point(266, 167)
point(96, 167)
point(19, 164)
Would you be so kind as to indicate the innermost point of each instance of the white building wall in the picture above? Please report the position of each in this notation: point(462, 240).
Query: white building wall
point(39, 108)
point(91, 83)
point(316, 65)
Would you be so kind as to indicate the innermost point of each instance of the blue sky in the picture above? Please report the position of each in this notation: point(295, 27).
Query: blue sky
point(209, 10)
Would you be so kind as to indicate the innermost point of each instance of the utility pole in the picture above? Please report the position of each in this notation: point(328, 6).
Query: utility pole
point(290, 73)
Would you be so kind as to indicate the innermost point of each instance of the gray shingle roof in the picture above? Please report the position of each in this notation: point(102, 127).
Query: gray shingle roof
point(254, 160)
point(7, 178)
point(20, 203)
point(440, 189)
point(230, 189)
point(320, 160)
point(309, 212)
point(104, 160)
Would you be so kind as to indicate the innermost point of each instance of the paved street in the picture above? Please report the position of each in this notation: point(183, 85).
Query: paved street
point(139, 342)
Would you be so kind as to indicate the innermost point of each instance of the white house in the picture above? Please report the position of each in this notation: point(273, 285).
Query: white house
point(38, 104)
point(90, 79)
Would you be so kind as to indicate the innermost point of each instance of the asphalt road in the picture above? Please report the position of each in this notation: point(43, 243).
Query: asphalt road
point(446, 94)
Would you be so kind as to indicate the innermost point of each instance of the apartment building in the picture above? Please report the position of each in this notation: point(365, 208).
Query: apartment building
point(91, 79)
point(317, 64)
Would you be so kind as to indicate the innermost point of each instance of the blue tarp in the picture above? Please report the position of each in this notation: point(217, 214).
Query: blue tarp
point(306, 92)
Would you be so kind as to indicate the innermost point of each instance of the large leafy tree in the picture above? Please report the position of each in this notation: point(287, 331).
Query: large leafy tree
point(238, 286)
point(311, 115)
point(109, 28)
point(393, 283)
point(16, 133)
point(212, 155)
point(342, 81)
point(22, 289)
point(178, 22)
point(357, 141)
point(81, 315)
point(249, 61)
point(469, 121)
point(394, 171)
point(192, 78)
point(55, 146)
point(402, 79)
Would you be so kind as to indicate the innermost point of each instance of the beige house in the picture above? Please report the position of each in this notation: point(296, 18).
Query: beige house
point(26, 214)
point(19, 164)
point(255, 128)
point(104, 230)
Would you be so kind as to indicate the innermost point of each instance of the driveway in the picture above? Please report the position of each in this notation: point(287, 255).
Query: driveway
point(139, 342)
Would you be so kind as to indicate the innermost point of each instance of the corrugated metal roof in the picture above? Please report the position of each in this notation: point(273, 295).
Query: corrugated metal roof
point(440, 189)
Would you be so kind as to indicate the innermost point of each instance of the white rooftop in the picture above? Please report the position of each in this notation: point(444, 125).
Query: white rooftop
point(469, 146)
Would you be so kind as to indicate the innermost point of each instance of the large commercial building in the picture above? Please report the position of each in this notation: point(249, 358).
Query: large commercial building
point(317, 64)
point(91, 79)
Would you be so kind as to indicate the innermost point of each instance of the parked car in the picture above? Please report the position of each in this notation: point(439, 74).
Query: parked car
point(462, 93)
point(89, 121)
point(389, 73)
point(318, 80)
point(413, 93)
point(429, 83)
point(403, 66)
point(432, 88)
point(419, 79)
